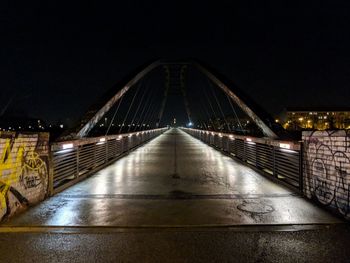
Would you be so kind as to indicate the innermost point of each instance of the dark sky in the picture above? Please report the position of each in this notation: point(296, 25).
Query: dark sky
point(58, 57)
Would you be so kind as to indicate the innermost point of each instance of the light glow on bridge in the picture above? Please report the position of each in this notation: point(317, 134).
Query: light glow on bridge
point(67, 146)
point(285, 145)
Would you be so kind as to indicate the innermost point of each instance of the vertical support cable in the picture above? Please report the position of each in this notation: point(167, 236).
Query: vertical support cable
point(131, 104)
point(219, 106)
point(78, 161)
point(115, 113)
point(183, 90)
point(166, 90)
point(50, 191)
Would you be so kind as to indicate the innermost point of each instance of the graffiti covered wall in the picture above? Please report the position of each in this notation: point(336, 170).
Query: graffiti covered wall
point(24, 171)
point(327, 169)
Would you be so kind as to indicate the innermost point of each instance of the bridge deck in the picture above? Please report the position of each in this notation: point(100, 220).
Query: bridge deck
point(174, 180)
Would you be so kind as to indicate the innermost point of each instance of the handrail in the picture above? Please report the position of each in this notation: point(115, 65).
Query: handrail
point(293, 145)
point(75, 159)
point(278, 158)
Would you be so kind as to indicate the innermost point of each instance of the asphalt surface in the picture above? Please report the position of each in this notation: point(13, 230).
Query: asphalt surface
point(178, 245)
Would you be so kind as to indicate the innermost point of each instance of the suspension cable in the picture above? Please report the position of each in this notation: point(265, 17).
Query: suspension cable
point(150, 107)
point(115, 113)
point(219, 106)
point(209, 117)
point(235, 113)
point(137, 109)
point(131, 104)
point(211, 106)
point(141, 117)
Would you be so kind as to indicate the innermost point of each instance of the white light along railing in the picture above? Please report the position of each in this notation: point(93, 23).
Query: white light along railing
point(281, 159)
point(76, 159)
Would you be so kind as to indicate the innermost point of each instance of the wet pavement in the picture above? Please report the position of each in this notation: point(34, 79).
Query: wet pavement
point(174, 180)
point(328, 244)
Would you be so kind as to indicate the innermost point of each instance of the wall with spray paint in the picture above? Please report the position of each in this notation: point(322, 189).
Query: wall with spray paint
point(24, 171)
point(327, 169)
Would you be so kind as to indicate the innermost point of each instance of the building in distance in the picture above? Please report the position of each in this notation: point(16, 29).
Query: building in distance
point(311, 118)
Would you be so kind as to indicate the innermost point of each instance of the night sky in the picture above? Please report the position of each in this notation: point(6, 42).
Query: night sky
point(58, 58)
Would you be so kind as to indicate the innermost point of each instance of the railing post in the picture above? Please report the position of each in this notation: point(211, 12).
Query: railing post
point(51, 174)
point(77, 162)
point(244, 150)
point(106, 150)
point(301, 167)
point(95, 150)
point(274, 162)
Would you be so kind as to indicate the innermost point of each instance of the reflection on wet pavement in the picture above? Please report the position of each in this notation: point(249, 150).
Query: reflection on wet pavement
point(174, 180)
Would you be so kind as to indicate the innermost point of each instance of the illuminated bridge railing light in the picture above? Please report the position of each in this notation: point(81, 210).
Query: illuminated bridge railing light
point(73, 160)
point(67, 146)
point(282, 159)
point(285, 145)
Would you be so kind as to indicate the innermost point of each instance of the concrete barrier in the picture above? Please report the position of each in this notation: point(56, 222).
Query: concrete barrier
point(24, 170)
point(327, 169)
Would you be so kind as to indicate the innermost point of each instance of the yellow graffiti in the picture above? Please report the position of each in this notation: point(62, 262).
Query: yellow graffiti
point(10, 169)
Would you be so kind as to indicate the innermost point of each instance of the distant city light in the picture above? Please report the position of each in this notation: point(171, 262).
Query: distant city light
point(61, 126)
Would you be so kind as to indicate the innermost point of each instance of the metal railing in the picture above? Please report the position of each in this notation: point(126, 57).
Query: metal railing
point(280, 159)
point(74, 160)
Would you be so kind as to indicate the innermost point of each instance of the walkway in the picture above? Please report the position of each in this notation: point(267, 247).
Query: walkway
point(174, 180)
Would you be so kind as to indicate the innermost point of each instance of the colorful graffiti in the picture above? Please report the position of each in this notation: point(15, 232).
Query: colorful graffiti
point(327, 168)
point(23, 171)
